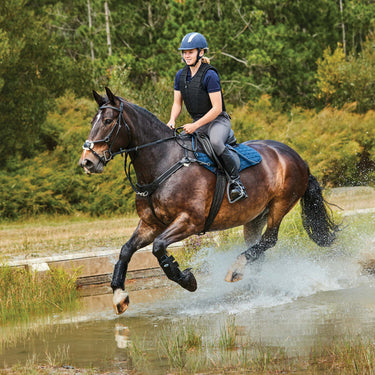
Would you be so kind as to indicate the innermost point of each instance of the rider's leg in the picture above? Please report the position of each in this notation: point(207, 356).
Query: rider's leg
point(218, 132)
point(237, 190)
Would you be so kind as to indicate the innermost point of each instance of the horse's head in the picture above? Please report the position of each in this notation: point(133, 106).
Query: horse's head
point(108, 136)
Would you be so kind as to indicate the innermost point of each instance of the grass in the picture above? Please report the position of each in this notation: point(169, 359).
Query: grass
point(46, 235)
point(209, 355)
point(185, 349)
point(189, 349)
point(25, 294)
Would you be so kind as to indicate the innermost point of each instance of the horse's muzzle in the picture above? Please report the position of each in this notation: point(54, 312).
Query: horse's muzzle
point(91, 167)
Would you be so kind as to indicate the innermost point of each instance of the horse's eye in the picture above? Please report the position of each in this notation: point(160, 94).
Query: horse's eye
point(108, 121)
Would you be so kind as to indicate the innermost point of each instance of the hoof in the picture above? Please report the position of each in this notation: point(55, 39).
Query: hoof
point(188, 281)
point(235, 272)
point(233, 276)
point(120, 301)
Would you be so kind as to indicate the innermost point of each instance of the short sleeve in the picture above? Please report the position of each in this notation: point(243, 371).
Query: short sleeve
point(177, 80)
point(212, 81)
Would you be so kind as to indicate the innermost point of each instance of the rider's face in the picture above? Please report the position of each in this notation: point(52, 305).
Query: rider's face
point(190, 56)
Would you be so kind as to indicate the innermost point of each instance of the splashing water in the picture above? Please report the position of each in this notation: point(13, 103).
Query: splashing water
point(285, 275)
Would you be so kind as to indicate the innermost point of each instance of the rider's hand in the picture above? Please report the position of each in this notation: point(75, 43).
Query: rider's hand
point(190, 128)
point(170, 125)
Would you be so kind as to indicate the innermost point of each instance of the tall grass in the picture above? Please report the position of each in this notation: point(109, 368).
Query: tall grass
point(25, 294)
point(191, 349)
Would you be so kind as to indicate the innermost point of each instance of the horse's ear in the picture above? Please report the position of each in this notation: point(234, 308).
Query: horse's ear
point(98, 98)
point(111, 97)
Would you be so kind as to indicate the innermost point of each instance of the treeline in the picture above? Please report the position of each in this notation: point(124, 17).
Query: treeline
point(282, 63)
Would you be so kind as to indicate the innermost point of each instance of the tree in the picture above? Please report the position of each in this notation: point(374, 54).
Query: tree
point(33, 71)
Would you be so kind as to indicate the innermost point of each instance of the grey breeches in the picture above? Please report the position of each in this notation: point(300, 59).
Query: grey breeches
point(218, 131)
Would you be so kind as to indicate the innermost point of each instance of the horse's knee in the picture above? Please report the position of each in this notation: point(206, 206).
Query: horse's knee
point(159, 248)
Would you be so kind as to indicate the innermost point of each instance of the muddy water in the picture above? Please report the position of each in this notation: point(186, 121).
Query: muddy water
point(294, 299)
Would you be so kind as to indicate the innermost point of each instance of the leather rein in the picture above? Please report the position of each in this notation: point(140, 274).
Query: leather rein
point(140, 190)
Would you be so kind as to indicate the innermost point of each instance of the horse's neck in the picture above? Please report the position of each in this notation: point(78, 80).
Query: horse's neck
point(151, 161)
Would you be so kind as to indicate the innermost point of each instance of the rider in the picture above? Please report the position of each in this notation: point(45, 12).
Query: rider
point(198, 86)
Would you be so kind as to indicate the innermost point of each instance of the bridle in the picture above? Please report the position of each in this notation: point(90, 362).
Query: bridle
point(109, 154)
point(88, 145)
point(141, 190)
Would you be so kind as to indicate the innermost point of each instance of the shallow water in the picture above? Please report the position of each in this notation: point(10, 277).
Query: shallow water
point(294, 299)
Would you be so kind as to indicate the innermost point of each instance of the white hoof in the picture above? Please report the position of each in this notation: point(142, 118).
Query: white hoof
point(236, 270)
point(120, 301)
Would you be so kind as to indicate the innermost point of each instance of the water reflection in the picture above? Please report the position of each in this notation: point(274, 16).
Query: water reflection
point(122, 336)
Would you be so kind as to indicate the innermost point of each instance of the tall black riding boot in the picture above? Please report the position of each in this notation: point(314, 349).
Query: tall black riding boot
point(236, 189)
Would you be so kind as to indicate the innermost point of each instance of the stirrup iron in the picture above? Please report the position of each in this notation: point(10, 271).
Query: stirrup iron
point(238, 183)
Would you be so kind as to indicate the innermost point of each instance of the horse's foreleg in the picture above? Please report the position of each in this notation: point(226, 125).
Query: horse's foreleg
point(179, 230)
point(120, 297)
point(142, 236)
point(171, 268)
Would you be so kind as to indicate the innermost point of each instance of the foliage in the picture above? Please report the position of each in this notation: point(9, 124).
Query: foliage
point(338, 145)
point(33, 71)
point(52, 182)
point(344, 80)
point(260, 47)
point(274, 59)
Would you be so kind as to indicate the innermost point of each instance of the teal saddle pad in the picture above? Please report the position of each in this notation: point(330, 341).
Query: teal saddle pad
point(248, 157)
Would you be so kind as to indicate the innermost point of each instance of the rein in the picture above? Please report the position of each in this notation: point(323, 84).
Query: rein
point(140, 190)
point(147, 190)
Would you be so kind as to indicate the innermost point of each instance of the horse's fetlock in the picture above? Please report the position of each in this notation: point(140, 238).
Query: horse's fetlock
point(251, 254)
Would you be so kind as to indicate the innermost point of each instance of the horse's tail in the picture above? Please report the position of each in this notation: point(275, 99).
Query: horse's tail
point(316, 219)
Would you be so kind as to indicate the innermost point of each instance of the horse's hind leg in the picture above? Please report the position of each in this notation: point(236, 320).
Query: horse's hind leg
point(252, 230)
point(277, 211)
point(252, 233)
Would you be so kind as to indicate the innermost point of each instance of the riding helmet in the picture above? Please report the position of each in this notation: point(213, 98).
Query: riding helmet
point(192, 41)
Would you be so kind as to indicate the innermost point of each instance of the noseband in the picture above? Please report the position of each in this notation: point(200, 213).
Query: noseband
point(108, 154)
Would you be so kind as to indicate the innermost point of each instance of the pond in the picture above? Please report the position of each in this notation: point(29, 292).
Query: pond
point(295, 299)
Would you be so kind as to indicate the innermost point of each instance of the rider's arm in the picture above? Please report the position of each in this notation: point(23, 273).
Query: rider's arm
point(176, 108)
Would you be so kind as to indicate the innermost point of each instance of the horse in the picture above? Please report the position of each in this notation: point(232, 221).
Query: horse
point(175, 205)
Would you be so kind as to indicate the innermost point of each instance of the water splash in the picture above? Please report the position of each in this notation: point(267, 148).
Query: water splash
point(286, 274)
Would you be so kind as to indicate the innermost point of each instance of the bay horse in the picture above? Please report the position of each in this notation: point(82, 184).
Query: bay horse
point(178, 204)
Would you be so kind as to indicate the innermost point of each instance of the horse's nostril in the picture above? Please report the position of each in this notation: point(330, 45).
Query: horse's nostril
point(86, 163)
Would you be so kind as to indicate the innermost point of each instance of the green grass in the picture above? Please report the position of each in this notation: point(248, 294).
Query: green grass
point(25, 294)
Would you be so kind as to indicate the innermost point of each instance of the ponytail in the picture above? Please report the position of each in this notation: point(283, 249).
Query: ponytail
point(205, 60)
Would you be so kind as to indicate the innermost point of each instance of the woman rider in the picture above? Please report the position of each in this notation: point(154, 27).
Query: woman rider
point(198, 86)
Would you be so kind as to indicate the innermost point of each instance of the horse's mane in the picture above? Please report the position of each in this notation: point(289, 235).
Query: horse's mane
point(149, 115)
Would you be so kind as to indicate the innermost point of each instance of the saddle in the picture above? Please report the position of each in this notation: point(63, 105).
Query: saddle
point(207, 157)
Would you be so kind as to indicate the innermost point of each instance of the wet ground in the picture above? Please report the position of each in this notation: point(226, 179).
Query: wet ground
point(295, 299)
